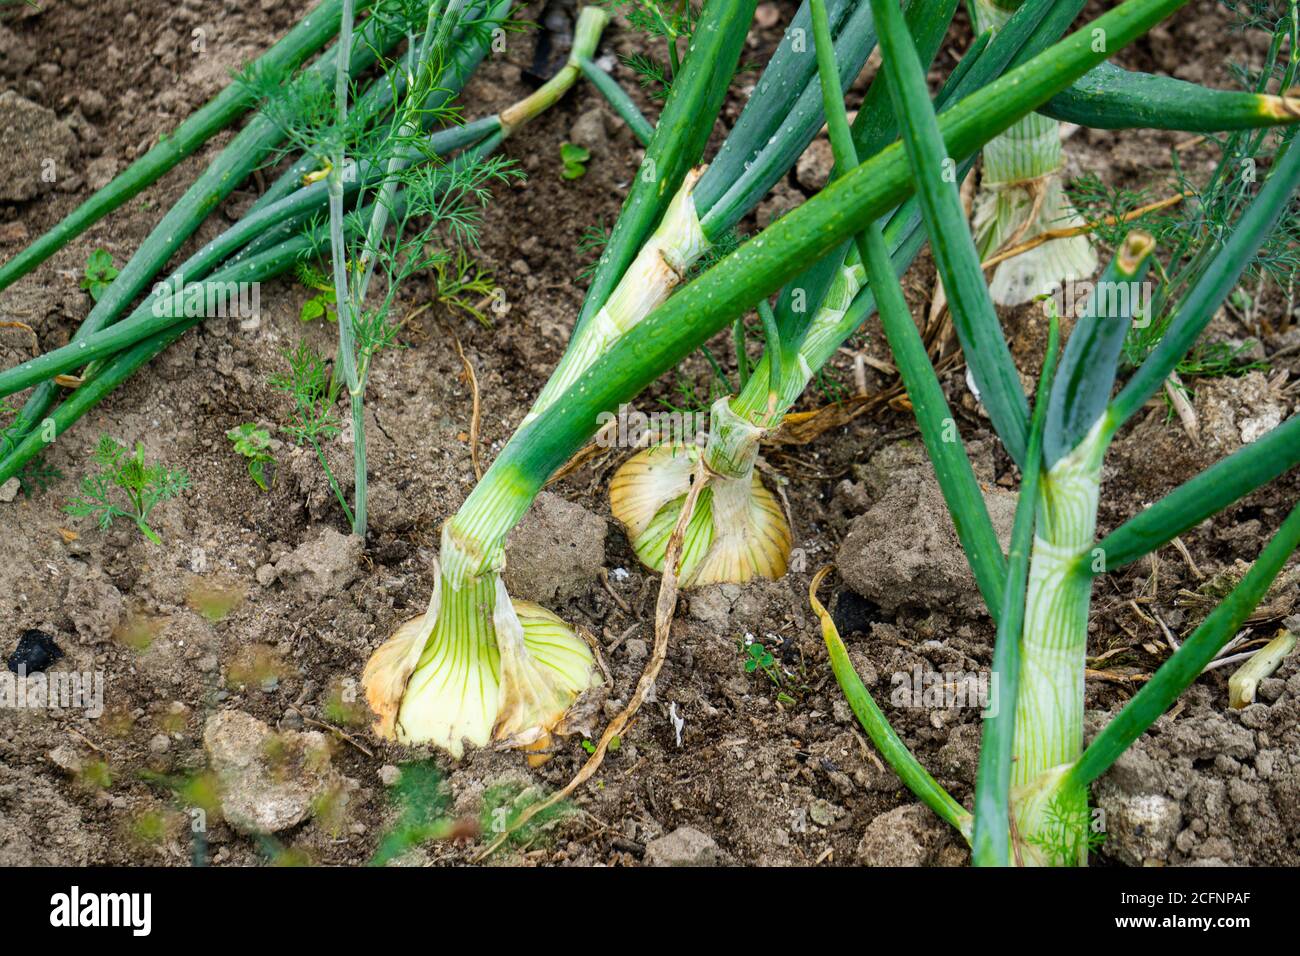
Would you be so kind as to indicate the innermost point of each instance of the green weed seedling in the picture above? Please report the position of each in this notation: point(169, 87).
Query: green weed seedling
point(322, 304)
point(124, 474)
point(574, 158)
point(312, 420)
point(254, 444)
point(99, 273)
point(463, 284)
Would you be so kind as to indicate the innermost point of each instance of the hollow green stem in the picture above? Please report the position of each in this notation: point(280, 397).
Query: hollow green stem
point(591, 21)
point(740, 191)
point(974, 317)
point(877, 726)
point(618, 100)
point(1113, 98)
point(678, 142)
point(1049, 706)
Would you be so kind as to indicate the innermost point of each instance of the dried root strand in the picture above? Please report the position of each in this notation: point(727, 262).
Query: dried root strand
point(665, 606)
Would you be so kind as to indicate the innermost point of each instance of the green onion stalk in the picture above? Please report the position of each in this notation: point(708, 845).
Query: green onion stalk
point(465, 671)
point(1022, 195)
point(708, 204)
point(1048, 795)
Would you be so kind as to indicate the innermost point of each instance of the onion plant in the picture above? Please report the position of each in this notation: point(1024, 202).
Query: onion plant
point(673, 215)
point(1031, 801)
point(807, 338)
point(456, 673)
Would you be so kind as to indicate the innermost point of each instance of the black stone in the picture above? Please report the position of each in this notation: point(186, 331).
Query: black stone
point(854, 614)
point(36, 652)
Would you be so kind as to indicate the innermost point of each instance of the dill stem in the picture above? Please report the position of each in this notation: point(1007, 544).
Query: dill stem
point(338, 254)
point(416, 89)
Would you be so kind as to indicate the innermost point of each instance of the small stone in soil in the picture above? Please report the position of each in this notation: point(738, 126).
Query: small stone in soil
point(685, 846)
point(854, 614)
point(36, 651)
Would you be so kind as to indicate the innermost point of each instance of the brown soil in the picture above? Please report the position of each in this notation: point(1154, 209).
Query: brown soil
point(769, 781)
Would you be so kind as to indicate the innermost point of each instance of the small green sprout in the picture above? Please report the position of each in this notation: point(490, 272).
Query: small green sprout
point(254, 444)
point(144, 486)
point(574, 158)
point(314, 391)
point(758, 657)
point(614, 743)
point(100, 272)
point(323, 302)
point(463, 284)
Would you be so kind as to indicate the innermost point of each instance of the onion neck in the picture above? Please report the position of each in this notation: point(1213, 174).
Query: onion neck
point(821, 337)
point(1049, 708)
point(659, 267)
